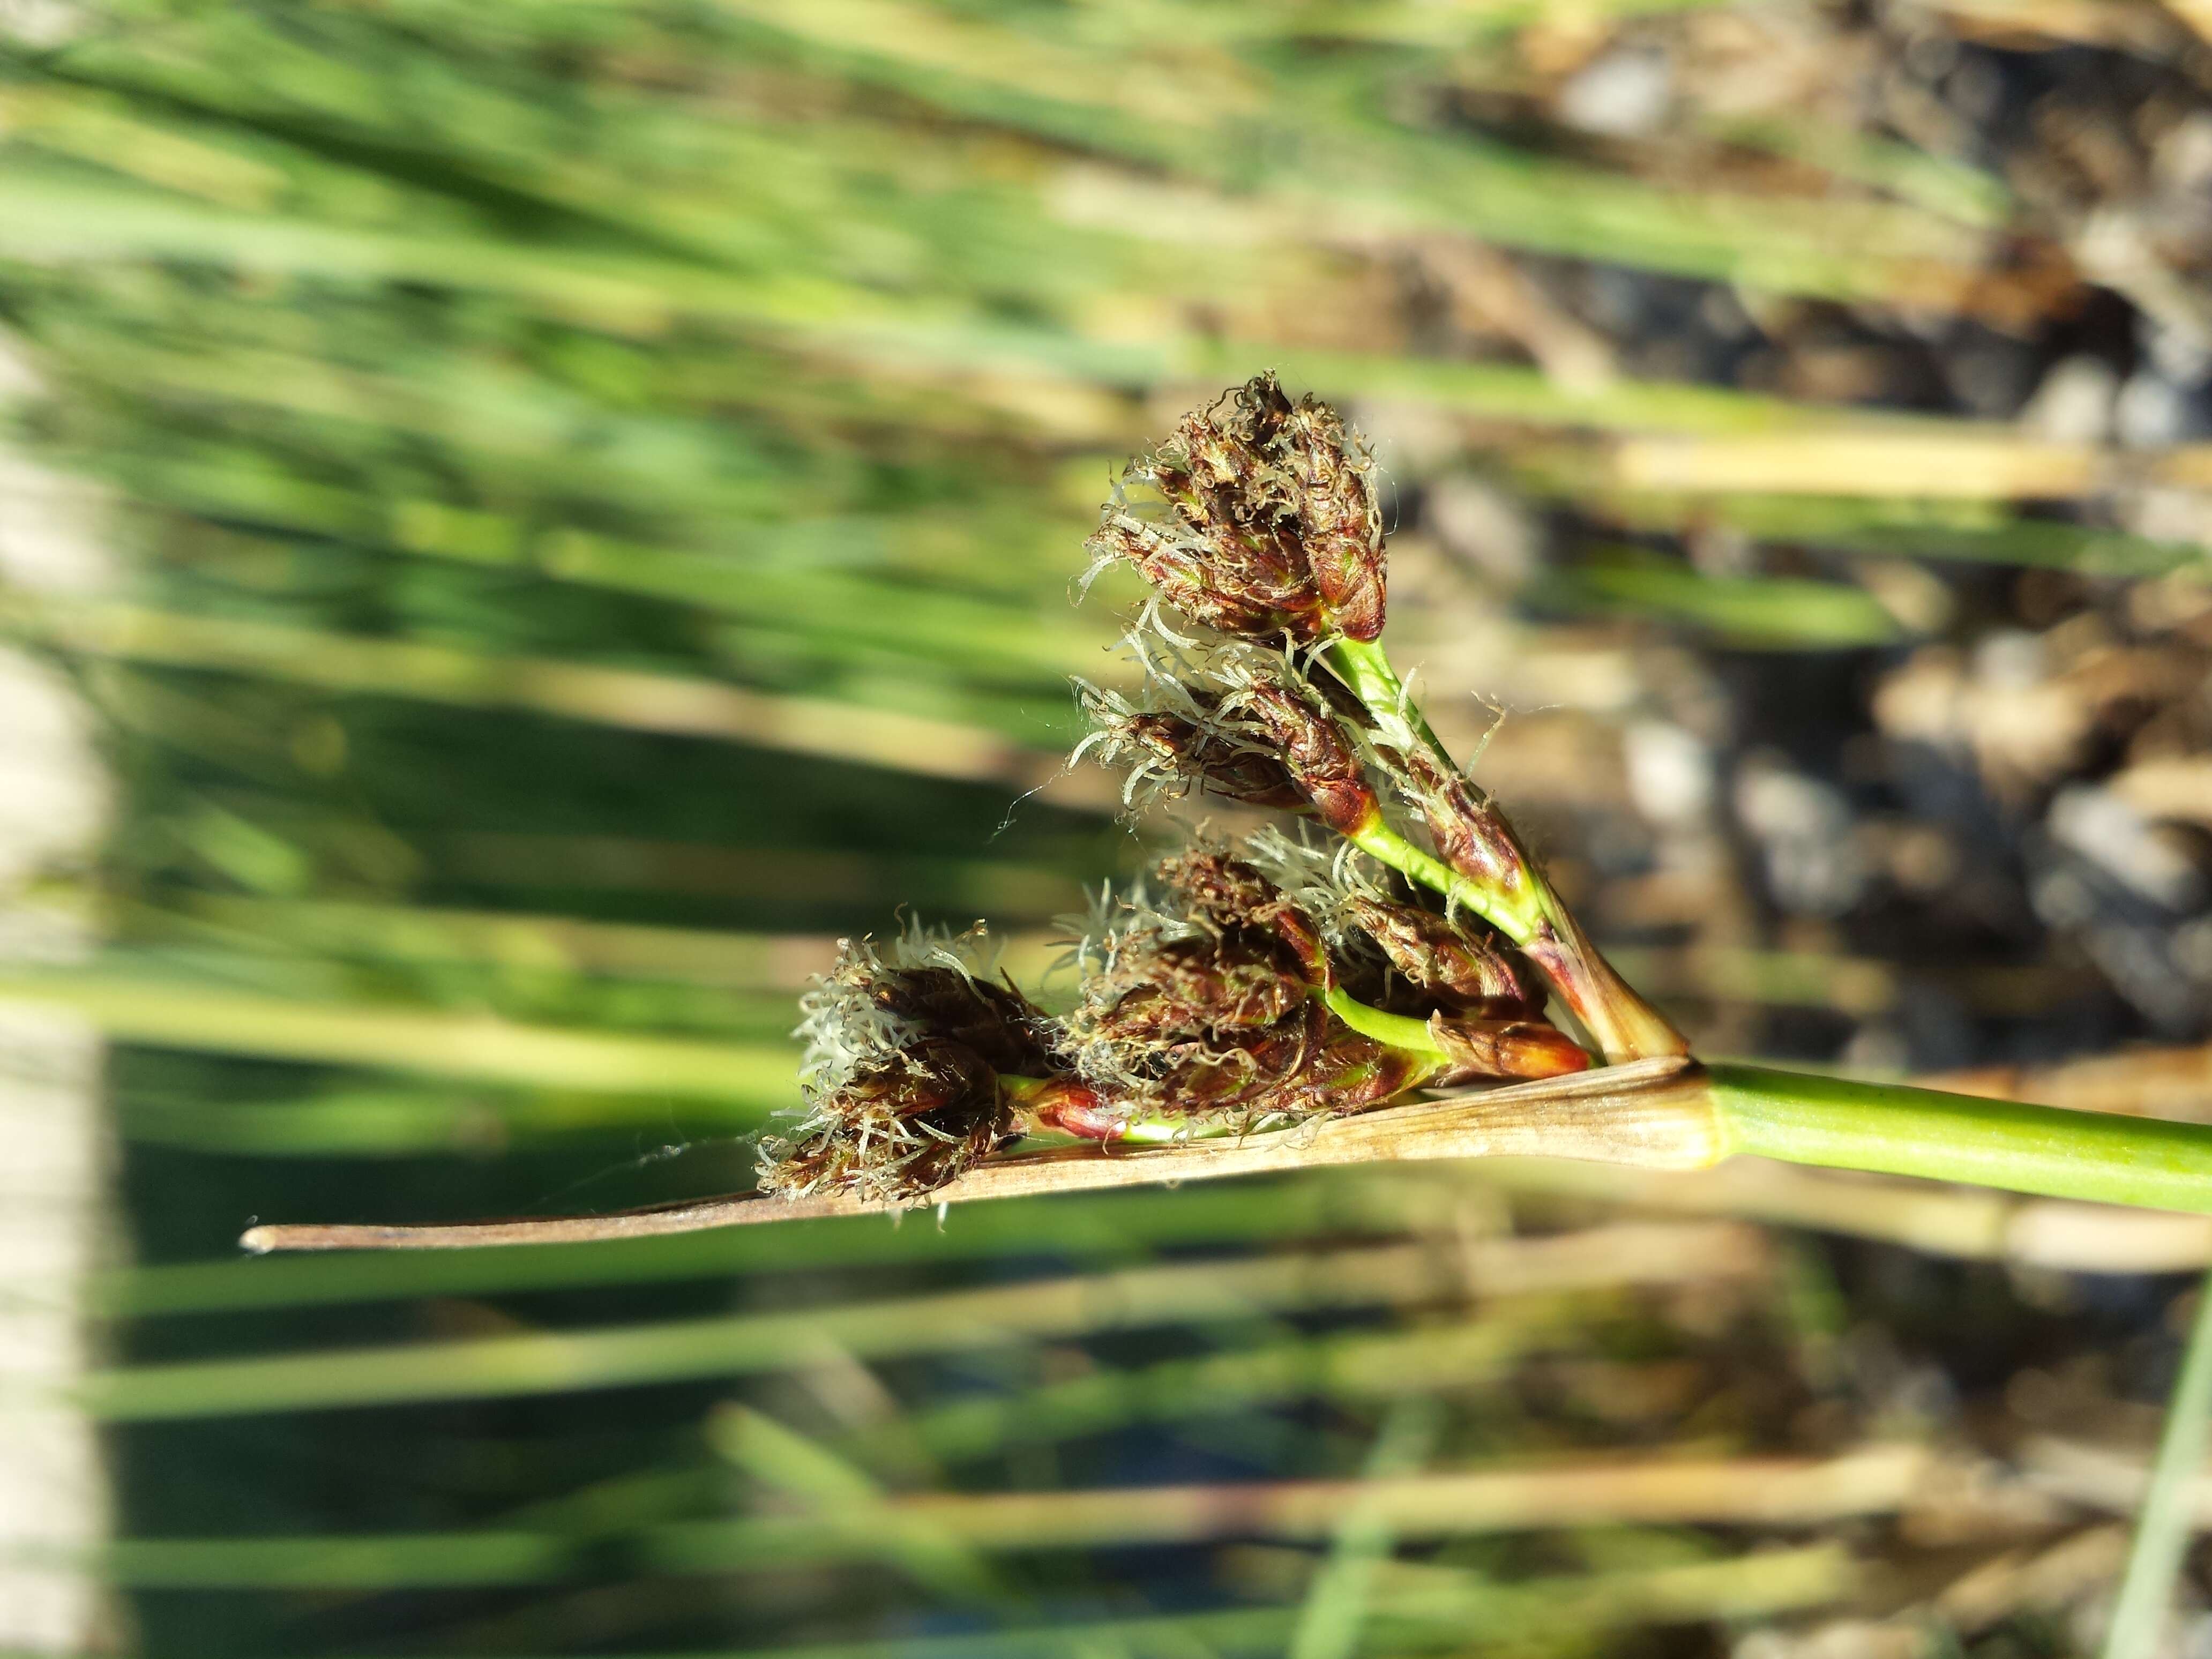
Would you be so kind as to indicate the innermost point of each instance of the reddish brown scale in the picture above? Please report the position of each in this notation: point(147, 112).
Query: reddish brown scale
point(1470, 835)
point(1318, 758)
point(1076, 1108)
point(824, 1161)
point(1351, 1073)
point(1224, 892)
point(1295, 931)
point(934, 1078)
point(1246, 968)
point(1203, 985)
point(1215, 1021)
point(899, 1128)
point(1337, 1071)
point(1251, 536)
point(1233, 561)
point(1232, 894)
point(1250, 1072)
point(1183, 576)
point(1275, 528)
point(995, 1021)
point(1498, 1047)
point(1213, 763)
point(1341, 522)
point(1443, 960)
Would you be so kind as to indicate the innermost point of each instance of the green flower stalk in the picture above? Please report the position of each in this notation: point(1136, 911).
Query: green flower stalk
point(1482, 849)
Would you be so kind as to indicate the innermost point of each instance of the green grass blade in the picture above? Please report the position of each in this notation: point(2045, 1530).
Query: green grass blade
point(540, 1363)
point(2167, 1522)
point(755, 1078)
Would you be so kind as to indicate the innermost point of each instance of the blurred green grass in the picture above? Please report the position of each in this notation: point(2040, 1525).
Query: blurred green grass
point(601, 485)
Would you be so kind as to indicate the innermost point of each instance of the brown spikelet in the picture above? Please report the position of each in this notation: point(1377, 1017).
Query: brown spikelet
point(1444, 959)
point(1230, 894)
point(899, 1126)
point(994, 1021)
point(1338, 515)
point(1350, 1073)
point(1502, 1048)
point(1472, 836)
point(1265, 522)
point(1174, 751)
point(1319, 759)
point(1206, 1003)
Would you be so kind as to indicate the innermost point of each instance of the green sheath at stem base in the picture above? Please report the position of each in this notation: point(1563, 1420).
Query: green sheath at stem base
point(1892, 1129)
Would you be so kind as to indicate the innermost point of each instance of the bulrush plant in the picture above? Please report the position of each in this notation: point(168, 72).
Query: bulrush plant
point(1373, 979)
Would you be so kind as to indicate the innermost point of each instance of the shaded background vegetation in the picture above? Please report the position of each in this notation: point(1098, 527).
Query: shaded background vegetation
point(594, 490)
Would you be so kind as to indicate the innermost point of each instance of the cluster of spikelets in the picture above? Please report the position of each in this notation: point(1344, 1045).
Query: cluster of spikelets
point(1271, 527)
point(1204, 1006)
point(1300, 975)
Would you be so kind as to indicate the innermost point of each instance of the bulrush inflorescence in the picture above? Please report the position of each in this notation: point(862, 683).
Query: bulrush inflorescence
point(1402, 938)
point(1311, 979)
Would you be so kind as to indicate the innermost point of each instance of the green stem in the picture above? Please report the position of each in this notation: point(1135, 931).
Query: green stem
point(1620, 1022)
point(1365, 668)
point(1525, 908)
point(1516, 915)
point(1342, 1593)
point(1395, 1030)
point(1893, 1129)
point(2169, 1511)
